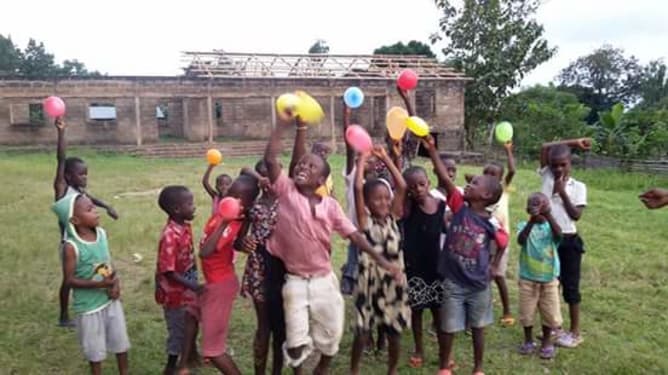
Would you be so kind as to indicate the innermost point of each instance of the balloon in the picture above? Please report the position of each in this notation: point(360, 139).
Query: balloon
point(396, 122)
point(358, 138)
point(229, 208)
point(214, 157)
point(54, 106)
point(503, 132)
point(418, 126)
point(286, 105)
point(308, 109)
point(353, 97)
point(407, 79)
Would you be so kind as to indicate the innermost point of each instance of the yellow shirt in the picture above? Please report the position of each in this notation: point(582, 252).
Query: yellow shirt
point(326, 189)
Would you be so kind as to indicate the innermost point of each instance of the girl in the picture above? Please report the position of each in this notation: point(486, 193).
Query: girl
point(422, 226)
point(379, 299)
point(223, 183)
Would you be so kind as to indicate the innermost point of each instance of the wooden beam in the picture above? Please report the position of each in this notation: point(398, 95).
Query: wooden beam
point(138, 120)
point(209, 107)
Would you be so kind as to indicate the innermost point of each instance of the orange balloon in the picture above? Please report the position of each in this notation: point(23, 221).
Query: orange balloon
point(214, 157)
point(396, 122)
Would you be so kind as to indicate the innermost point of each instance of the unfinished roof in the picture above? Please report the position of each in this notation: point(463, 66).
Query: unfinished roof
point(317, 66)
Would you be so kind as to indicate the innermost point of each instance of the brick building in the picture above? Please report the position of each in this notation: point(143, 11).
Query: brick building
point(225, 96)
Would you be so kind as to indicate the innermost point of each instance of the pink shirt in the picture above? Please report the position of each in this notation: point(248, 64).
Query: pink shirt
point(301, 238)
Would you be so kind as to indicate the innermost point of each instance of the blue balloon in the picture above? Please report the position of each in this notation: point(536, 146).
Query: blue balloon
point(353, 97)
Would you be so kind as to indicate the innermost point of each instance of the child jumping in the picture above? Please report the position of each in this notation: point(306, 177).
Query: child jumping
point(96, 287)
point(568, 198)
point(380, 301)
point(71, 178)
point(465, 262)
point(176, 285)
point(539, 272)
point(313, 303)
point(222, 286)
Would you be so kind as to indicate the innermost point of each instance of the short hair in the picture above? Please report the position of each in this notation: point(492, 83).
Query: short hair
point(493, 186)
point(558, 151)
point(224, 175)
point(372, 184)
point(327, 170)
point(260, 164)
point(169, 197)
point(251, 182)
point(444, 156)
point(496, 164)
point(71, 162)
point(413, 170)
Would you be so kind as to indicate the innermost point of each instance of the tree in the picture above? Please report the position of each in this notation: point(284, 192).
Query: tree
point(10, 57)
point(542, 114)
point(413, 47)
point(603, 78)
point(37, 63)
point(320, 46)
point(497, 42)
point(654, 84)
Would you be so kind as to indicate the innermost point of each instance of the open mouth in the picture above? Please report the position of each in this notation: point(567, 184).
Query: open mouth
point(301, 176)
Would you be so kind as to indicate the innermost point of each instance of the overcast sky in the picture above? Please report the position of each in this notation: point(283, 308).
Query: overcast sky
point(135, 37)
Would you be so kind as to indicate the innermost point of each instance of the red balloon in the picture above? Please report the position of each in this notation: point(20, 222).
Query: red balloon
point(358, 138)
point(54, 106)
point(229, 208)
point(407, 79)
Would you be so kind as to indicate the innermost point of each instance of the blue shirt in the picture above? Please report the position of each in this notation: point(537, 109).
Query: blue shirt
point(538, 257)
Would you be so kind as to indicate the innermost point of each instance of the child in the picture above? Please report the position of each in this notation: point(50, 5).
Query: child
point(539, 272)
point(465, 262)
point(96, 287)
point(261, 220)
point(313, 304)
point(71, 178)
point(176, 275)
point(422, 226)
point(223, 182)
point(379, 300)
point(568, 198)
point(222, 286)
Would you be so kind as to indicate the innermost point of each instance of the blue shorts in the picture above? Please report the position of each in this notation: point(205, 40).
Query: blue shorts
point(465, 307)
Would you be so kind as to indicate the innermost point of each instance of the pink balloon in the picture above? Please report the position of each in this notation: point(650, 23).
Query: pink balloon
point(54, 106)
point(358, 138)
point(229, 208)
point(407, 79)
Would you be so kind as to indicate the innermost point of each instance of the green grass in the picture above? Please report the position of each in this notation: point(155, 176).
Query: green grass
point(624, 277)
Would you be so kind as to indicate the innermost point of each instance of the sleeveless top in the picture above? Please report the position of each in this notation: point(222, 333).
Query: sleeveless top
point(93, 263)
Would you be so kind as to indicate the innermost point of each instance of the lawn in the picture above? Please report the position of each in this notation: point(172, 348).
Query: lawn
point(624, 278)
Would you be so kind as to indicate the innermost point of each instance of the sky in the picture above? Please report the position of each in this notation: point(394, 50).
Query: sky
point(135, 37)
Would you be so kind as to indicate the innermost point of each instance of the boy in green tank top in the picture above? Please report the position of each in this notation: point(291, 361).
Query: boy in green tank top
point(87, 267)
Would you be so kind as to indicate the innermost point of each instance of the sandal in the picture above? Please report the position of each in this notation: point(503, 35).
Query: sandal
point(507, 321)
point(415, 361)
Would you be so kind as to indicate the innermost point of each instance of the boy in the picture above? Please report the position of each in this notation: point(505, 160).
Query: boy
point(176, 285)
point(87, 265)
point(313, 303)
point(465, 261)
point(539, 272)
point(71, 178)
point(568, 198)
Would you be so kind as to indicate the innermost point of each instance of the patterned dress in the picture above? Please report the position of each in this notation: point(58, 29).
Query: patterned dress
point(263, 217)
point(379, 299)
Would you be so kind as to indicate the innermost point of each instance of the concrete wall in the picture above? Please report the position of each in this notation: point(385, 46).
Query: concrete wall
point(245, 108)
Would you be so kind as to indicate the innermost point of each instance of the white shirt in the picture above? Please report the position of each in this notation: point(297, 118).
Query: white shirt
point(576, 192)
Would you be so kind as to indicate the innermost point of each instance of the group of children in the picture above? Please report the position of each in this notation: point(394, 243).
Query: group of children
point(411, 248)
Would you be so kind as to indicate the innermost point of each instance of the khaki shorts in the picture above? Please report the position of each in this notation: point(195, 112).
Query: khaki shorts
point(541, 296)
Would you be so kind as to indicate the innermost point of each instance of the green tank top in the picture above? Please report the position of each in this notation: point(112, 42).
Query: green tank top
point(93, 263)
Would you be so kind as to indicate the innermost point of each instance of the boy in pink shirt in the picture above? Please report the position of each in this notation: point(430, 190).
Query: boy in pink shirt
point(313, 304)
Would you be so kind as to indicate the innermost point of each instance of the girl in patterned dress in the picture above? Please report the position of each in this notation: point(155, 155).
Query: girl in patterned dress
point(380, 300)
point(259, 225)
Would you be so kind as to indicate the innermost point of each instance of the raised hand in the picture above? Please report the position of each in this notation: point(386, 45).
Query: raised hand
point(112, 213)
point(379, 152)
point(584, 144)
point(59, 123)
point(428, 142)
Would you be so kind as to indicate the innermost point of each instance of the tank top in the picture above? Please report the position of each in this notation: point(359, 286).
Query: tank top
point(93, 263)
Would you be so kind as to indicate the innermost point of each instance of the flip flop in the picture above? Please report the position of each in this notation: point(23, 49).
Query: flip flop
point(415, 362)
point(507, 321)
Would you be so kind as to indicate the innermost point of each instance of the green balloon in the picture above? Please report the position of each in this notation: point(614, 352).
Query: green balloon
point(504, 132)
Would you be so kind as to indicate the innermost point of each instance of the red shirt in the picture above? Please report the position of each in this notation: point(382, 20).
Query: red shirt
point(175, 254)
point(220, 264)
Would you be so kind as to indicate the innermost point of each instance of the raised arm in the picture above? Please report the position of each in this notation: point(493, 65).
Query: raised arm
point(59, 183)
point(360, 206)
point(205, 181)
point(350, 153)
point(407, 102)
point(511, 163)
point(274, 148)
point(110, 210)
point(577, 143)
point(400, 186)
point(439, 167)
point(299, 148)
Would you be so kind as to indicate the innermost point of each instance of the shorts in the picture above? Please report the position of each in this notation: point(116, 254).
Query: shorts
point(314, 312)
point(570, 252)
point(545, 297)
point(465, 307)
point(175, 318)
point(216, 302)
point(103, 331)
point(503, 264)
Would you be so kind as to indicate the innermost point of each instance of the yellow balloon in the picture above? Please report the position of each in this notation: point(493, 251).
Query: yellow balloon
point(286, 105)
point(396, 122)
point(418, 126)
point(308, 109)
